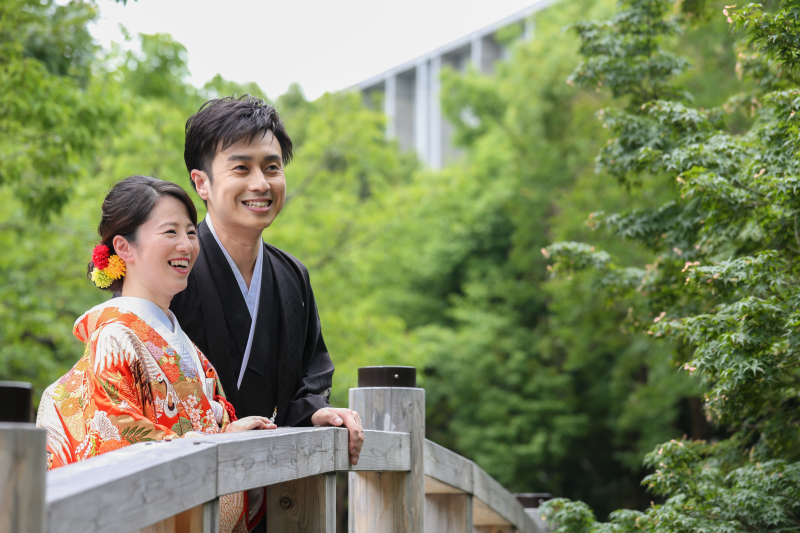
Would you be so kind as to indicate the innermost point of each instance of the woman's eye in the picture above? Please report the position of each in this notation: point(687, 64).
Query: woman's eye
point(172, 231)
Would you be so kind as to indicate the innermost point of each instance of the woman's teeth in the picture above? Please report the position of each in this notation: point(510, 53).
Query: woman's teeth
point(180, 263)
point(265, 203)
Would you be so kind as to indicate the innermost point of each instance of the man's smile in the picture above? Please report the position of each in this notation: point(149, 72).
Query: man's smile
point(259, 205)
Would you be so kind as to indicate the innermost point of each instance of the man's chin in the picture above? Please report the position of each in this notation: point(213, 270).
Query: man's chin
point(259, 220)
point(256, 223)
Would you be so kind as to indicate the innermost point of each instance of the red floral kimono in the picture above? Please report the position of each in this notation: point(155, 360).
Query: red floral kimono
point(131, 386)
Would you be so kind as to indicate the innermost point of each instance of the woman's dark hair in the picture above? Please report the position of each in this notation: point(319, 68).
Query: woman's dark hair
point(220, 123)
point(128, 205)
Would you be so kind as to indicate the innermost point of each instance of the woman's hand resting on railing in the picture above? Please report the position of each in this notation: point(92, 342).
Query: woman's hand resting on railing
point(249, 422)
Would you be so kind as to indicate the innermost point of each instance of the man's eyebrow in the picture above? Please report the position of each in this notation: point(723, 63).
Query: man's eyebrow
point(273, 157)
point(240, 157)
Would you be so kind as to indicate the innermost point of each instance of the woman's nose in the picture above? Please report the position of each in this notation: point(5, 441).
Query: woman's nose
point(184, 245)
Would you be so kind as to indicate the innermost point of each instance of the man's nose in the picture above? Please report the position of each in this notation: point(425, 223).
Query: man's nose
point(259, 182)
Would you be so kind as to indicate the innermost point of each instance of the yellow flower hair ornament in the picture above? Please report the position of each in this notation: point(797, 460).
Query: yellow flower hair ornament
point(107, 268)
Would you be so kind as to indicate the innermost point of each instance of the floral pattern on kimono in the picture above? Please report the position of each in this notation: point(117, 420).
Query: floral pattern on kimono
point(130, 386)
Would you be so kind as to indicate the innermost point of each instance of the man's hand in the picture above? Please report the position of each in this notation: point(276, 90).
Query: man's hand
point(334, 416)
point(249, 422)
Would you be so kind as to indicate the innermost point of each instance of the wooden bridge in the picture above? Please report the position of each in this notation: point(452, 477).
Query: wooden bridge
point(403, 483)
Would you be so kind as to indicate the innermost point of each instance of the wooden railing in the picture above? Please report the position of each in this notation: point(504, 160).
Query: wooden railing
point(403, 482)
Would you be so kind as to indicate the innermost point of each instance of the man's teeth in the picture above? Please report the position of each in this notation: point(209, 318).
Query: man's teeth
point(264, 203)
point(184, 263)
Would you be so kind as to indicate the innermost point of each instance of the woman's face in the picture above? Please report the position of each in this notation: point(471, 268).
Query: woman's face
point(159, 262)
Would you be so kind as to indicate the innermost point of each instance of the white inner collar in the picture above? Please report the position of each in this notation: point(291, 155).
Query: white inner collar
point(252, 293)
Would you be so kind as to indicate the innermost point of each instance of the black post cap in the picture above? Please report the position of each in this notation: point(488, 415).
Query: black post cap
point(16, 401)
point(387, 376)
point(532, 500)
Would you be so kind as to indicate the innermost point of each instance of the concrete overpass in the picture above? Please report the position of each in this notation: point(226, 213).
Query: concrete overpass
point(411, 93)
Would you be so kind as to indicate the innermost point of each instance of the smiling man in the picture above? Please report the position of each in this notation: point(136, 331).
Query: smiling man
point(248, 305)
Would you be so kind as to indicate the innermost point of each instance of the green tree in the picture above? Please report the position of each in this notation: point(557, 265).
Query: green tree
point(723, 284)
point(56, 104)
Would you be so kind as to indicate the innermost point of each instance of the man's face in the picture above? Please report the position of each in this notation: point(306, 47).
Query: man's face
point(247, 188)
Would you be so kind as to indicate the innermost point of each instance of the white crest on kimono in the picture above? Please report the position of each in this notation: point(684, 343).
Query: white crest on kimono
point(47, 418)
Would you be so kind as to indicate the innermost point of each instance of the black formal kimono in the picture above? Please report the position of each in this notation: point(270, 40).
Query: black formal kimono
point(289, 367)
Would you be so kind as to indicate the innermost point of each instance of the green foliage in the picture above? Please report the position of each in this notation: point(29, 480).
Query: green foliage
point(536, 380)
point(53, 108)
point(723, 282)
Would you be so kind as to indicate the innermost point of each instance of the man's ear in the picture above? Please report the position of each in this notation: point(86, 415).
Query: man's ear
point(123, 248)
point(202, 183)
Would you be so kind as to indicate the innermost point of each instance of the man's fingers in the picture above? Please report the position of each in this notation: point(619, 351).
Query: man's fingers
point(334, 419)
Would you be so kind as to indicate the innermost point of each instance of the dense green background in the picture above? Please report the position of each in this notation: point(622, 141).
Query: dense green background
point(537, 380)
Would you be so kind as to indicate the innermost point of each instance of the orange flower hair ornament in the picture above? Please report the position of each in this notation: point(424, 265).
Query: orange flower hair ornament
point(107, 268)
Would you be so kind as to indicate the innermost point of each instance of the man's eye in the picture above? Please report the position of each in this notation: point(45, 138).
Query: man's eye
point(240, 167)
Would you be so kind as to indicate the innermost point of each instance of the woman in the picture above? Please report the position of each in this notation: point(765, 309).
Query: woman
point(140, 378)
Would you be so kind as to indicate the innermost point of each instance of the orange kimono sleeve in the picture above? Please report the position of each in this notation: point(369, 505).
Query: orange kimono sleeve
point(105, 402)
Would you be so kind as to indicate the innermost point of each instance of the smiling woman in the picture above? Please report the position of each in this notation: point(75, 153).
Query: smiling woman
point(136, 202)
point(140, 378)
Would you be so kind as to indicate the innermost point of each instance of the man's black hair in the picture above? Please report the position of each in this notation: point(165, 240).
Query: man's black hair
point(220, 123)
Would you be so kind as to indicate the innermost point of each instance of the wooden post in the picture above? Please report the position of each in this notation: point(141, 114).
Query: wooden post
point(23, 464)
point(390, 502)
point(303, 505)
point(448, 513)
point(211, 516)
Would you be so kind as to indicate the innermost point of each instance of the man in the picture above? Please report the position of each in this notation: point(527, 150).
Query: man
point(248, 305)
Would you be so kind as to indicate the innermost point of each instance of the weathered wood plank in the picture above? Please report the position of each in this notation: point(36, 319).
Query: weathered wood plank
point(493, 529)
point(500, 501)
point(448, 467)
point(483, 515)
point(447, 473)
point(211, 516)
point(448, 513)
point(391, 409)
point(382, 451)
point(305, 505)
point(23, 463)
point(165, 526)
point(434, 486)
point(201, 519)
point(371, 506)
point(131, 488)
point(271, 457)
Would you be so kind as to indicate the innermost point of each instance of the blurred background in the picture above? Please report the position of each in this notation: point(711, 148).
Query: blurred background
point(438, 148)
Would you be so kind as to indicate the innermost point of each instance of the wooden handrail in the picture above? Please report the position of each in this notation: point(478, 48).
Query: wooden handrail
point(146, 483)
point(403, 482)
point(447, 472)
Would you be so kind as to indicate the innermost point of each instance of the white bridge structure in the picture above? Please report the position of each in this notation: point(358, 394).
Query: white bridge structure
point(403, 483)
point(411, 92)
